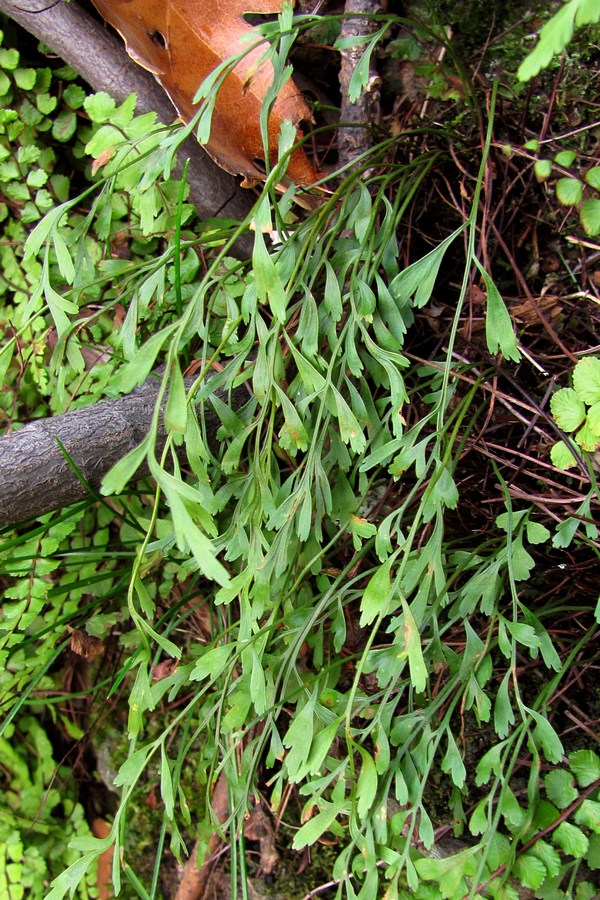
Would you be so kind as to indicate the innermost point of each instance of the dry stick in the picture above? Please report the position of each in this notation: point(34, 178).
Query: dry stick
point(36, 475)
point(101, 60)
point(353, 140)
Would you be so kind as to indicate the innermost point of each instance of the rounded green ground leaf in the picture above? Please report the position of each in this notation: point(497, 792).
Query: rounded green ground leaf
point(592, 176)
point(593, 856)
point(585, 765)
point(548, 855)
point(586, 379)
point(64, 126)
point(588, 814)
point(571, 840)
point(593, 418)
point(560, 787)
point(569, 191)
point(568, 409)
point(542, 169)
point(561, 456)
point(530, 871)
point(586, 438)
point(99, 107)
point(565, 158)
point(589, 214)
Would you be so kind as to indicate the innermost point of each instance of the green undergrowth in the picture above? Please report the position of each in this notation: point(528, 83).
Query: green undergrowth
point(298, 593)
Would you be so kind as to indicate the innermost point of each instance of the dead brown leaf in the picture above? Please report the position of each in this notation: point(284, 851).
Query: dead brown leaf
point(528, 312)
point(183, 41)
point(85, 645)
point(259, 827)
point(163, 669)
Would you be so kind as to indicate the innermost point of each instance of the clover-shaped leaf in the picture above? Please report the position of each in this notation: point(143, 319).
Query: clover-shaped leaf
point(569, 191)
point(586, 380)
point(589, 213)
point(568, 409)
point(561, 456)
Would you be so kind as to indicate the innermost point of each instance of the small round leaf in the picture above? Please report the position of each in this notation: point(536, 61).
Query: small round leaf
point(589, 213)
point(571, 840)
point(565, 158)
point(586, 379)
point(99, 107)
point(586, 438)
point(568, 409)
point(585, 764)
point(64, 125)
point(542, 169)
point(561, 456)
point(592, 176)
point(593, 419)
point(560, 788)
point(569, 191)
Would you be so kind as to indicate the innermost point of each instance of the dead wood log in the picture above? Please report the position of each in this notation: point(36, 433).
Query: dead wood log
point(36, 476)
point(101, 60)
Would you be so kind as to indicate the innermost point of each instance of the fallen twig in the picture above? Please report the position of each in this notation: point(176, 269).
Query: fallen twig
point(36, 476)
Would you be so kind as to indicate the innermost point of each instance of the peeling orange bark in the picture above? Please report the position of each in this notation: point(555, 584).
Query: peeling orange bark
point(181, 42)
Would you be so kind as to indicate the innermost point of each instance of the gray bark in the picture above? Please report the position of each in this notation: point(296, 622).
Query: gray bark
point(35, 475)
point(101, 60)
point(355, 139)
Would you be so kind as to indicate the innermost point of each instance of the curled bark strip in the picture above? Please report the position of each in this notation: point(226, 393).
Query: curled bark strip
point(355, 140)
point(101, 60)
point(35, 475)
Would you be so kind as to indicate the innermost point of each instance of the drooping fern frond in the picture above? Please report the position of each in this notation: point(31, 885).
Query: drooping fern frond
point(557, 33)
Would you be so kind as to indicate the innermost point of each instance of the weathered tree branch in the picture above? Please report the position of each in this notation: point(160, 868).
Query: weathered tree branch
point(353, 140)
point(36, 476)
point(101, 60)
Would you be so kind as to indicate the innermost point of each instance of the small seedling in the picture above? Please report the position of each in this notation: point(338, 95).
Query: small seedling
point(577, 411)
point(572, 188)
